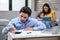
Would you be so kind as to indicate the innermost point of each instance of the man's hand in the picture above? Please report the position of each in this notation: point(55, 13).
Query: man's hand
point(28, 29)
point(12, 28)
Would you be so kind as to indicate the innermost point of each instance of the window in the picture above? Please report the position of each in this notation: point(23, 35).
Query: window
point(4, 5)
point(17, 4)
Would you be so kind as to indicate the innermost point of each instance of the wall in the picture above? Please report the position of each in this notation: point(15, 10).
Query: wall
point(31, 4)
point(54, 4)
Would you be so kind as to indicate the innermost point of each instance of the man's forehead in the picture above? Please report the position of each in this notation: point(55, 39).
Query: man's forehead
point(24, 15)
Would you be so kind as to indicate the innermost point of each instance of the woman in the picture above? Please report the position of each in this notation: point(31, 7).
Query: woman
point(50, 13)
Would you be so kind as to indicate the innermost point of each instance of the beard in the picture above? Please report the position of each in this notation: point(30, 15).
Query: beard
point(23, 21)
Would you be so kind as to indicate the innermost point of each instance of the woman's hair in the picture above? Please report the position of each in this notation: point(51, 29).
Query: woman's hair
point(39, 14)
point(49, 9)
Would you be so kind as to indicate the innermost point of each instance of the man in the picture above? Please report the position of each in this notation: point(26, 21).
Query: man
point(24, 22)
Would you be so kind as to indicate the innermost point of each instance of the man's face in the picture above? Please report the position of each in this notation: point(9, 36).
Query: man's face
point(23, 17)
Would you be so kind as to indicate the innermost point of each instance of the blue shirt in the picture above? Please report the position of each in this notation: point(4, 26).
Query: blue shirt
point(31, 22)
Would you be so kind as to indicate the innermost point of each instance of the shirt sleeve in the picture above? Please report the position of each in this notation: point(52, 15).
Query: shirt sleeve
point(6, 29)
point(39, 26)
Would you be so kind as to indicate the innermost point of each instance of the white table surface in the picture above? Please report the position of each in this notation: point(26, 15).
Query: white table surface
point(32, 34)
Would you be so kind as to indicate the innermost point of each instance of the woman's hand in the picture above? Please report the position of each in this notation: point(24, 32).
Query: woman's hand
point(53, 18)
point(39, 19)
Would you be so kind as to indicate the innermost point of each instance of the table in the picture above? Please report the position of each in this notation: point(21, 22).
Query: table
point(32, 35)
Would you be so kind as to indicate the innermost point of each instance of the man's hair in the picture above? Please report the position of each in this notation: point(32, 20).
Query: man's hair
point(26, 10)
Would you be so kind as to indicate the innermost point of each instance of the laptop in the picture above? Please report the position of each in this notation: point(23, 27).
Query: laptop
point(46, 18)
